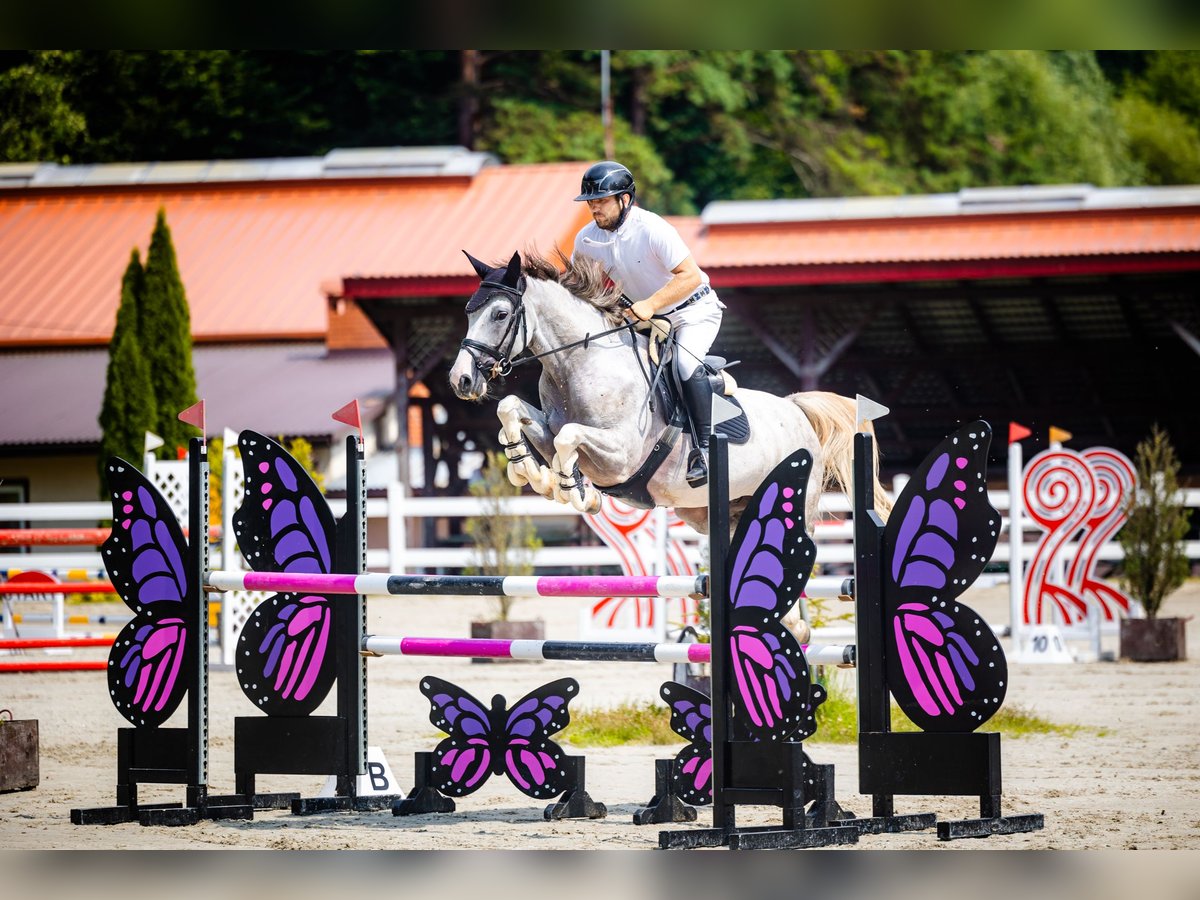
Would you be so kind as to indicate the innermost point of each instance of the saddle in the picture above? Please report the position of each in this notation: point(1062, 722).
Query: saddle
point(666, 390)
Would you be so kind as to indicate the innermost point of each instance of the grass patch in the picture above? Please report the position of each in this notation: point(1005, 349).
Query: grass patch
point(629, 723)
point(837, 723)
point(837, 720)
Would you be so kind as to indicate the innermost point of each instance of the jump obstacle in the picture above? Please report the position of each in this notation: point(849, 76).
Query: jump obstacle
point(733, 761)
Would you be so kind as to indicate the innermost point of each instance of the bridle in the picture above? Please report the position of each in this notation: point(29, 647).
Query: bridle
point(501, 353)
point(502, 363)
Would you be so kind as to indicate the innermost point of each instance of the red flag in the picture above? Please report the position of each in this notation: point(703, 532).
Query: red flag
point(1017, 432)
point(349, 415)
point(194, 415)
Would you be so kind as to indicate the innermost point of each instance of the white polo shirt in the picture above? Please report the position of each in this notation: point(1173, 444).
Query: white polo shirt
point(639, 255)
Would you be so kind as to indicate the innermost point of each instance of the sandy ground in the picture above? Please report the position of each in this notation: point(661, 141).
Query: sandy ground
point(1131, 781)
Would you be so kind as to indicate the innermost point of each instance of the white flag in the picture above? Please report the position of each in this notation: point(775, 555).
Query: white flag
point(867, 410)
point(723, 411)
point(153, 442)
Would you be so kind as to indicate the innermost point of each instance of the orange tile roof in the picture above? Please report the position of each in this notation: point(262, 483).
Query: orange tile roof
point(257, 259)
point(891, 244)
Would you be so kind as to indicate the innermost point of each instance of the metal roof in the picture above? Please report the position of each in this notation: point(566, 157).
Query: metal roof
point(379, 162)
point(259, 258)
point(54, 397)
point(967, 201)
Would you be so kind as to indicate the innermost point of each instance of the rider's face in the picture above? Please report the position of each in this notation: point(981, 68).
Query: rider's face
point(605, 211)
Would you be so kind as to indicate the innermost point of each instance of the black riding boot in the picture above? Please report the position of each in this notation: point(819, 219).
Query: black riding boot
point(697, 395)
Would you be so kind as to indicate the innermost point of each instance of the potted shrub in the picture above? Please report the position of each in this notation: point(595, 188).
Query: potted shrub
point(504, 545)
point(1155, 564)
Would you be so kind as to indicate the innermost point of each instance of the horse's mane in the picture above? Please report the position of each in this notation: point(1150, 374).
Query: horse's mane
point(582, 277)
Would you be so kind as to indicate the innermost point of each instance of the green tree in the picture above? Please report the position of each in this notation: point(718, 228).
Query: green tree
point(166, 339)
point(524, 132)
point(129, 409)
point(37, 123)
point(1161, 139)
point(1152, 537)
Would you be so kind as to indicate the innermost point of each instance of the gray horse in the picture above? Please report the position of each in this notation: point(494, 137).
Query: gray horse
point(596, 418)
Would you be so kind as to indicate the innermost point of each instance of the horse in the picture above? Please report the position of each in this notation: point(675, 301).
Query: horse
point(597, 424)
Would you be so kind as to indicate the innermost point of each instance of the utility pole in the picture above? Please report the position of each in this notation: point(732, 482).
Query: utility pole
point(606, 105)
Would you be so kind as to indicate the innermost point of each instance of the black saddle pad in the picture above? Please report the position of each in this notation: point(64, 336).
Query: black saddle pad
point(736, 430)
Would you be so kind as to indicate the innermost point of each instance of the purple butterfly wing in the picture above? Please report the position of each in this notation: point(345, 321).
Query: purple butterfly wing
point(284, 662)
point(532, 761)
point(691, 719)
point(464, 760)
point(770, 559)
point(946, 668)
point(145, 556)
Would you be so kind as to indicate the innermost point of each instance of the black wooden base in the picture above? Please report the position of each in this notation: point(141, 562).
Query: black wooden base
point(892, 824)
point(665, 805)
point(313, 806)
point(257, 801)
point(575, 804)
point(421, 800)
point(770, 837)
point(161, 814)
point(160, 756)
point(981, 828)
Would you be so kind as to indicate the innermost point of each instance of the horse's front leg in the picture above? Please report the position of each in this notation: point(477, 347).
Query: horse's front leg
point(521, 425)
point(606, 453)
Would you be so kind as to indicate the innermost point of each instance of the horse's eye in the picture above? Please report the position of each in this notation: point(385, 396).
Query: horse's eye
point(500, 315)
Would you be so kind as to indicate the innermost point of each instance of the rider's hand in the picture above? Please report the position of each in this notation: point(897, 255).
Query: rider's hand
point(642, 310)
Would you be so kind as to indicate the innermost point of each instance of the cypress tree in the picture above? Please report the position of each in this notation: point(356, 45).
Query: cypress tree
point(166, 336)
point(129, 408)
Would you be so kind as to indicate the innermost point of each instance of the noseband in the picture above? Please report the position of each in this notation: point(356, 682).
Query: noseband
point(480, 352)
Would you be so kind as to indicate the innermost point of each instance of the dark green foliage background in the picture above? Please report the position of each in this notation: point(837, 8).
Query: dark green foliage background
point(695, 126)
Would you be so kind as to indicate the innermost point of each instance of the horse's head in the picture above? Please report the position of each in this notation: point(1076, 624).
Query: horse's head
point(495, 328)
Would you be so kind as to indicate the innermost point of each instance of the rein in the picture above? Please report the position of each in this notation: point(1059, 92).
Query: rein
point(503, 365)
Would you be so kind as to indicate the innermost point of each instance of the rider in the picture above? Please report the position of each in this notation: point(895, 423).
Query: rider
point(646, 256)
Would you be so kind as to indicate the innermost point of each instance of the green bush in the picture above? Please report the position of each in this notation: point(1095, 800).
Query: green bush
point(1152, 538)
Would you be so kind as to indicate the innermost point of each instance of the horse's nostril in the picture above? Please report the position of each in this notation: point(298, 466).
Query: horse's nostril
point(464, 383)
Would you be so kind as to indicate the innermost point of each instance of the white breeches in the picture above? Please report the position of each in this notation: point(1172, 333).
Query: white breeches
point(695, 328)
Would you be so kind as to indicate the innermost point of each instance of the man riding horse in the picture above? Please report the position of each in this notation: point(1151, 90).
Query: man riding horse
point(648, 260)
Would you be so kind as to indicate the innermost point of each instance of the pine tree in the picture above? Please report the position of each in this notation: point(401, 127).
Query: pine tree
point(129, 408)
point(166, 336)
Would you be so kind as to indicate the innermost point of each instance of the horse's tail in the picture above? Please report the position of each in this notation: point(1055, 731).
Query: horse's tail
point(832, 416)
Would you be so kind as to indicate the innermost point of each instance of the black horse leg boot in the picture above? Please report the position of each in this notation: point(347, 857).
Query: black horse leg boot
point(697, 395)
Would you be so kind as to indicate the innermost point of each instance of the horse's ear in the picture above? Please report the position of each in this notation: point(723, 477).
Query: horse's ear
point(513, 272)
point(481, 269)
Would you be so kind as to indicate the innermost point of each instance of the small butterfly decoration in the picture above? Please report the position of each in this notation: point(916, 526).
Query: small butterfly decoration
point(145, 556)
point(945, 667)
point(691, 719)
point(514, 742)
point(770, 559)
point(285, 663)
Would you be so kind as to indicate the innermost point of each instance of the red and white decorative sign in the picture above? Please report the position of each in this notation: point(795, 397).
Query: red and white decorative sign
point(633, 534)
point(1077, 500)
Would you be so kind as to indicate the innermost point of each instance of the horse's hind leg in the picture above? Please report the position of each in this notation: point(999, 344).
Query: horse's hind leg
point(520, 426)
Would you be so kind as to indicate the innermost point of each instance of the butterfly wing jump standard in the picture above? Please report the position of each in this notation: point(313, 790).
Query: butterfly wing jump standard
point(746, 747)
point(922, 645)
point(945, 666)
point(296, 645)
point(145, 555)
point(159, 658)
point(285, 659)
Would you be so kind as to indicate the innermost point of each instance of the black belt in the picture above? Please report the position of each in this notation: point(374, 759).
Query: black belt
point(704, 291)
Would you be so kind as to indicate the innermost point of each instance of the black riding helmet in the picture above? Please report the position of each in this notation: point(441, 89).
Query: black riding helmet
point(606, 179)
